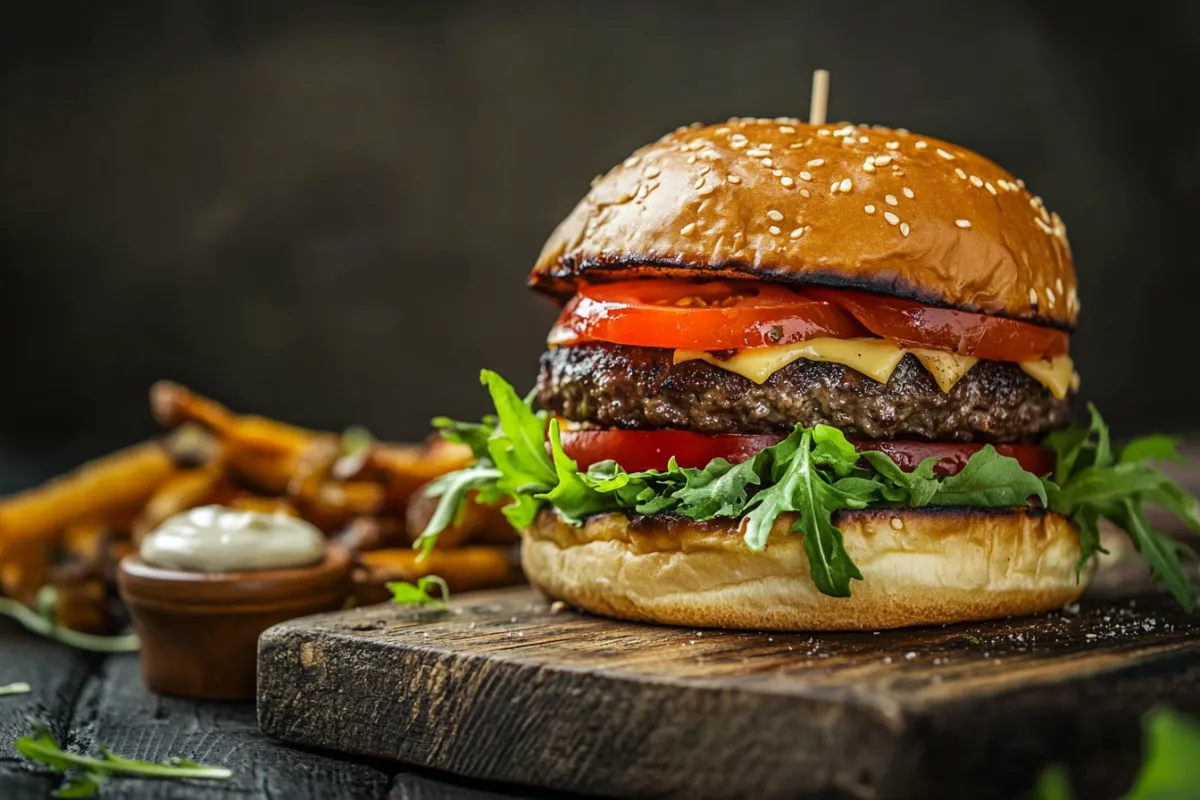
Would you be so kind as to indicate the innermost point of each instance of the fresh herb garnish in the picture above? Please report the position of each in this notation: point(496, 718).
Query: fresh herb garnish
point(86, 773)
point(409, 594)
point(44, 622)
point(815, 473)
point(14, 688)
point(1171, 748)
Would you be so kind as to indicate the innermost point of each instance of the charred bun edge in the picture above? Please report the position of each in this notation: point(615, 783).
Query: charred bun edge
point(560, 282)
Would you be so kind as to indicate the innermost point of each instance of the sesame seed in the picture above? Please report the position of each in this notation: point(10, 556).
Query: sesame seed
point(847, 185)
point(898, 524)
point(775, 215)
point(692, 159)
point(848, 140)
point(757, 152)
point(1049, 297)
point(786, 181)
point(652, 172)
point(823, 132)
point(737, 144)
point(904, 229)
point(891, 218)
point(806, 176)
point(908, 192)
point(959, 172)
point(892, 145)
point(1020, 183)
point(976, 181)
point(1033, 296)
point(734, 179)
point(1041, 224)
point(890, 199)
point(738, 137)
point(987, 185)
point(766, 162)
point(864, 139)
point(738, 235)
point(844, 130)
point(816, 162)
point(868, 167)
point(722, 131)
point(706, 190)
point(642, 191)
point(796, 145)
point(632, 161)
point(834, 187)
point(870, 209)
point(774, 229)
point(944, 154)
point(796, 234)
point(705, 169)
point(699, 182)
point(1058, 285)
point(963, 223)
point(883, 161)
point(786, 129)
point(686, 230)
point(920, 145)
point(777, 172)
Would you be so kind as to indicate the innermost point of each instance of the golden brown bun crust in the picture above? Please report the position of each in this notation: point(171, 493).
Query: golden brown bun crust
point(727, 201)
point(939, 566)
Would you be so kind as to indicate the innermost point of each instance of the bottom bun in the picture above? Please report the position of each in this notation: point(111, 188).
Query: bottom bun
point(920, 567)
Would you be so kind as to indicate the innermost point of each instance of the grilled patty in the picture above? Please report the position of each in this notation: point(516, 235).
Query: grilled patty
point(619, 386)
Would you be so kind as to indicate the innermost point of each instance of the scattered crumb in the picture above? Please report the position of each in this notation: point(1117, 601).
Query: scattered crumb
point(557, 607)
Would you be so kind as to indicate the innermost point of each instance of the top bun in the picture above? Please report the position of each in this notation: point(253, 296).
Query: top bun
point(839, 205)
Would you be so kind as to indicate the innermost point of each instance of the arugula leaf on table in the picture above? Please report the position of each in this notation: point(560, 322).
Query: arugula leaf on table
point(418, 594)
point(86, 773)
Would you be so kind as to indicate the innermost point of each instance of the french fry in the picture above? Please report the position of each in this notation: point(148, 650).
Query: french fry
point(264, 505)
point(373, 533)
point(405, 468)
point(107, 485)
point(186, 489)
point(464, 570)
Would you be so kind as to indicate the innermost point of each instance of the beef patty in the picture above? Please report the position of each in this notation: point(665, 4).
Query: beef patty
point(619, 386)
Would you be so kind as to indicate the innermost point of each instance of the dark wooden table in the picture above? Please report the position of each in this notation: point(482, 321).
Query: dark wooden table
point(90, 700)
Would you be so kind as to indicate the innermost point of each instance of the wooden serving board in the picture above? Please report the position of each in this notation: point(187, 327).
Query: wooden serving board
point(502, 687)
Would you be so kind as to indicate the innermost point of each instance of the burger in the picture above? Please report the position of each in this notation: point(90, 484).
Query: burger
point(810, 377)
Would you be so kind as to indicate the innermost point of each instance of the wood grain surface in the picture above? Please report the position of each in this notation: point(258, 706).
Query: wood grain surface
point(91, 699)
point(501, 687)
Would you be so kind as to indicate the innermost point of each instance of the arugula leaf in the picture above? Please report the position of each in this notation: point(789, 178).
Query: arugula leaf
point(720, 489)
point(408, 594)
point(919, 486)
point(803, 488)
point(88, 772)
point(1160, 551)
point(473, 434)
point(1155, 447)
point(1053, 784)
point(522, 430)
point(989, 480)
point(453, 489)
point(574, 497)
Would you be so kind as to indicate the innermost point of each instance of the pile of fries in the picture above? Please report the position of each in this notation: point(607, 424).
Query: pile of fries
point(70, 533)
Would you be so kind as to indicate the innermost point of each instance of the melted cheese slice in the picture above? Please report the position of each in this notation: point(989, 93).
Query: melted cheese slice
point(1056, 374)
point(946, 368)
point(875, 358)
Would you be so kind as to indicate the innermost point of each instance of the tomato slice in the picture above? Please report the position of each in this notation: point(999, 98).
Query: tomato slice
point(637, 451)
point(952, 457)
point(916, 325)
point(717, 315)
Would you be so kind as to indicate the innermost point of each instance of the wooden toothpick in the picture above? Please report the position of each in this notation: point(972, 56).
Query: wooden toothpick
point(820, 97)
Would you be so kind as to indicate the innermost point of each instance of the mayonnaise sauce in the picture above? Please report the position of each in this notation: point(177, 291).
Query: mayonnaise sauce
point(219, 539)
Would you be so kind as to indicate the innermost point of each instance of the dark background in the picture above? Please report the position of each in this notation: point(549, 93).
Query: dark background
point(325, 211)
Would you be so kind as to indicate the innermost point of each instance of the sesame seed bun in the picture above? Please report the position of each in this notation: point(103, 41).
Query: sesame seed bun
point(920, 567)
point(835, 205)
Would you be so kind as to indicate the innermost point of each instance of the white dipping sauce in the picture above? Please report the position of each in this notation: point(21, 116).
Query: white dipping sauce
point(219, 539)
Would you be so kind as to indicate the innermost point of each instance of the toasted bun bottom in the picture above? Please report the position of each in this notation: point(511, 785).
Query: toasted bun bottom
point(919, 566)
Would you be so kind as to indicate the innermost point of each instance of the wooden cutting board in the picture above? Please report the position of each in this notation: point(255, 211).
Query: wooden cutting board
point(508, 688)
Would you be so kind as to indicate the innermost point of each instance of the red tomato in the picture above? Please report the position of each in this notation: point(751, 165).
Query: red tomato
point(915, 325)
point(718, 315)
point(637, 451)
point(953, 457)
